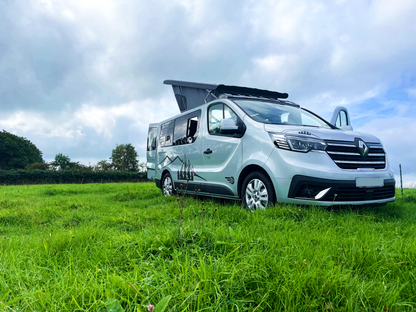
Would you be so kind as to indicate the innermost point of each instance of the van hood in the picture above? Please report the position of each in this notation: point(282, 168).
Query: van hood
point(325, 134)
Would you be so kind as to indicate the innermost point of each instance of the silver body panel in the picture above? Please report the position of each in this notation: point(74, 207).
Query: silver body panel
point(219, 172)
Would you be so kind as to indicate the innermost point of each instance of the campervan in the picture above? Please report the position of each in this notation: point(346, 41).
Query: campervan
point(256, 146)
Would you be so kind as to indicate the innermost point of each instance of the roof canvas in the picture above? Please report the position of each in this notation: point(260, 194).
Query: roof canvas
point(190, 95)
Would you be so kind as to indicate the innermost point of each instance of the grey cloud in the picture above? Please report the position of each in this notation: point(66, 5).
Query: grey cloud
point(56, 59)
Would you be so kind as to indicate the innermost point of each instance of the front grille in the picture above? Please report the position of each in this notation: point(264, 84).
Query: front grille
point(359, 194)
point(384, 192)
point(346, 155)
point(346, 193)
point(304, 187)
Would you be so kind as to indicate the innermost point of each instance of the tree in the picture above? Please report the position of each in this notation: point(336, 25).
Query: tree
point(104, 165)
point(76, 166)
point(124, 158)
point(17, 152)
point(62, 161)
point(143, 167)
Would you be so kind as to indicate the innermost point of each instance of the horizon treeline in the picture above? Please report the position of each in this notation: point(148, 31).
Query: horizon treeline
point(18, 153)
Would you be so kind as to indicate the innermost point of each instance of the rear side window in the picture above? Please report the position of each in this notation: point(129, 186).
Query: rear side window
point(186, 128)
point(151, 139)
point(166, 133)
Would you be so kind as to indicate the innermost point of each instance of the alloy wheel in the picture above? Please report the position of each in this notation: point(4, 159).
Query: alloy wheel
point(256, 195)
point(167, 186)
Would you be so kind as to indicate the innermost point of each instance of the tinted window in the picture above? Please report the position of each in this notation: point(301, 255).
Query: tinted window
point(181, 125)
point(186, 128)
point(166, 133)
point(192, 130)
point(151, 139)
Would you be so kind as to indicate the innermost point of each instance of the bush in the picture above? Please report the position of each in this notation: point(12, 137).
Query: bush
point(13, 177)
point(37, 166)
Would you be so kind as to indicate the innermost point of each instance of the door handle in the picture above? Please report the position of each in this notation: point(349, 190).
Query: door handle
point(208, 151)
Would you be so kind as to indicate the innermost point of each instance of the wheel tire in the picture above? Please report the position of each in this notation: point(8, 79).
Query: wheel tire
point(167, 185)
point(257, 191)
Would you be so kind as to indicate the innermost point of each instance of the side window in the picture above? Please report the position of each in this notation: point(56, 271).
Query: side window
point(151, 139)
point(166, 133)
point(192, 131)
point(215, 115)
point(228, 113)
point(218, 112)
point(179, 137)
point(186, 128)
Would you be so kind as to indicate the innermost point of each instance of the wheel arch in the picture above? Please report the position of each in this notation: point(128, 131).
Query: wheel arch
point(246, 171)
point(164, 173)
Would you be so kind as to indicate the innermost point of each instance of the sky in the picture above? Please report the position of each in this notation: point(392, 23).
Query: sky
point(79, 77)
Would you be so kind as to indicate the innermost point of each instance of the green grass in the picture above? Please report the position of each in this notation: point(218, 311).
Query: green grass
point(115, 247)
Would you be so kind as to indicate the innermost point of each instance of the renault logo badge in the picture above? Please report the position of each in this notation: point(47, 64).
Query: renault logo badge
point(362, 147)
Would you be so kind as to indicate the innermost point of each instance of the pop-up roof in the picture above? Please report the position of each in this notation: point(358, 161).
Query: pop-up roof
point(190, 95)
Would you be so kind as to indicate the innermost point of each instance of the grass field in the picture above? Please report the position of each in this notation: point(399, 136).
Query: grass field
point(121, 247)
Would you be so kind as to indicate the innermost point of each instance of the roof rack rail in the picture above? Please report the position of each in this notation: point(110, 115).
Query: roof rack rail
point(248, 97)
point(190, 95)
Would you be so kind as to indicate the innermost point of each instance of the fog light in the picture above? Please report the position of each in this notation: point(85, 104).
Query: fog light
point(322, 193)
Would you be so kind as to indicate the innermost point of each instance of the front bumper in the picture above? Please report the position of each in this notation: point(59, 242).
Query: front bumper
point(306, 190)
point(317, 168)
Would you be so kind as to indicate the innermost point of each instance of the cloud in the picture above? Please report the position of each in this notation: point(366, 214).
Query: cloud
point(79, 77)
point(412, 93)
point(345, 50)
point(139, 114)
point(36, 124)
point(397, 136)
point(91, 130)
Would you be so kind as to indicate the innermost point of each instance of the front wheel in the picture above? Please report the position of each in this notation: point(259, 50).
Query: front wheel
point(167, 185)
point(257, 191)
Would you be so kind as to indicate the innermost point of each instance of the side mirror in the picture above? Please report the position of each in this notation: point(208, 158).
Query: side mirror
point(228, 126)
point(341, 118)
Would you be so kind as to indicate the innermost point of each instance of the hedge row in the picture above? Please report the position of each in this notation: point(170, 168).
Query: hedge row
point(13, 177)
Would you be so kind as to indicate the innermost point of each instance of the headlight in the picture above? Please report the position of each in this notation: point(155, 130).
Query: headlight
point(297, 143)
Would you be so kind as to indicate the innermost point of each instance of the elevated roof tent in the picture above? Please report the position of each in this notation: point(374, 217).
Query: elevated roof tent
point(190, 95)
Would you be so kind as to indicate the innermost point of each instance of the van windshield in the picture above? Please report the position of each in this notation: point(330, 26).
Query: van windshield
point(279, 114)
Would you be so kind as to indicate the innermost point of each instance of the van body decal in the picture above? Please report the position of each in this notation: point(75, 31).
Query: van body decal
point(186, 172)
point(230, 179)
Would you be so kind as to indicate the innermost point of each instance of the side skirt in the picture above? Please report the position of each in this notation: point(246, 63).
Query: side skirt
point(206, 189)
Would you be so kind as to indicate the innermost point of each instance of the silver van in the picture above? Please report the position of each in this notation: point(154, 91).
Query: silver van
point(254, 145)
